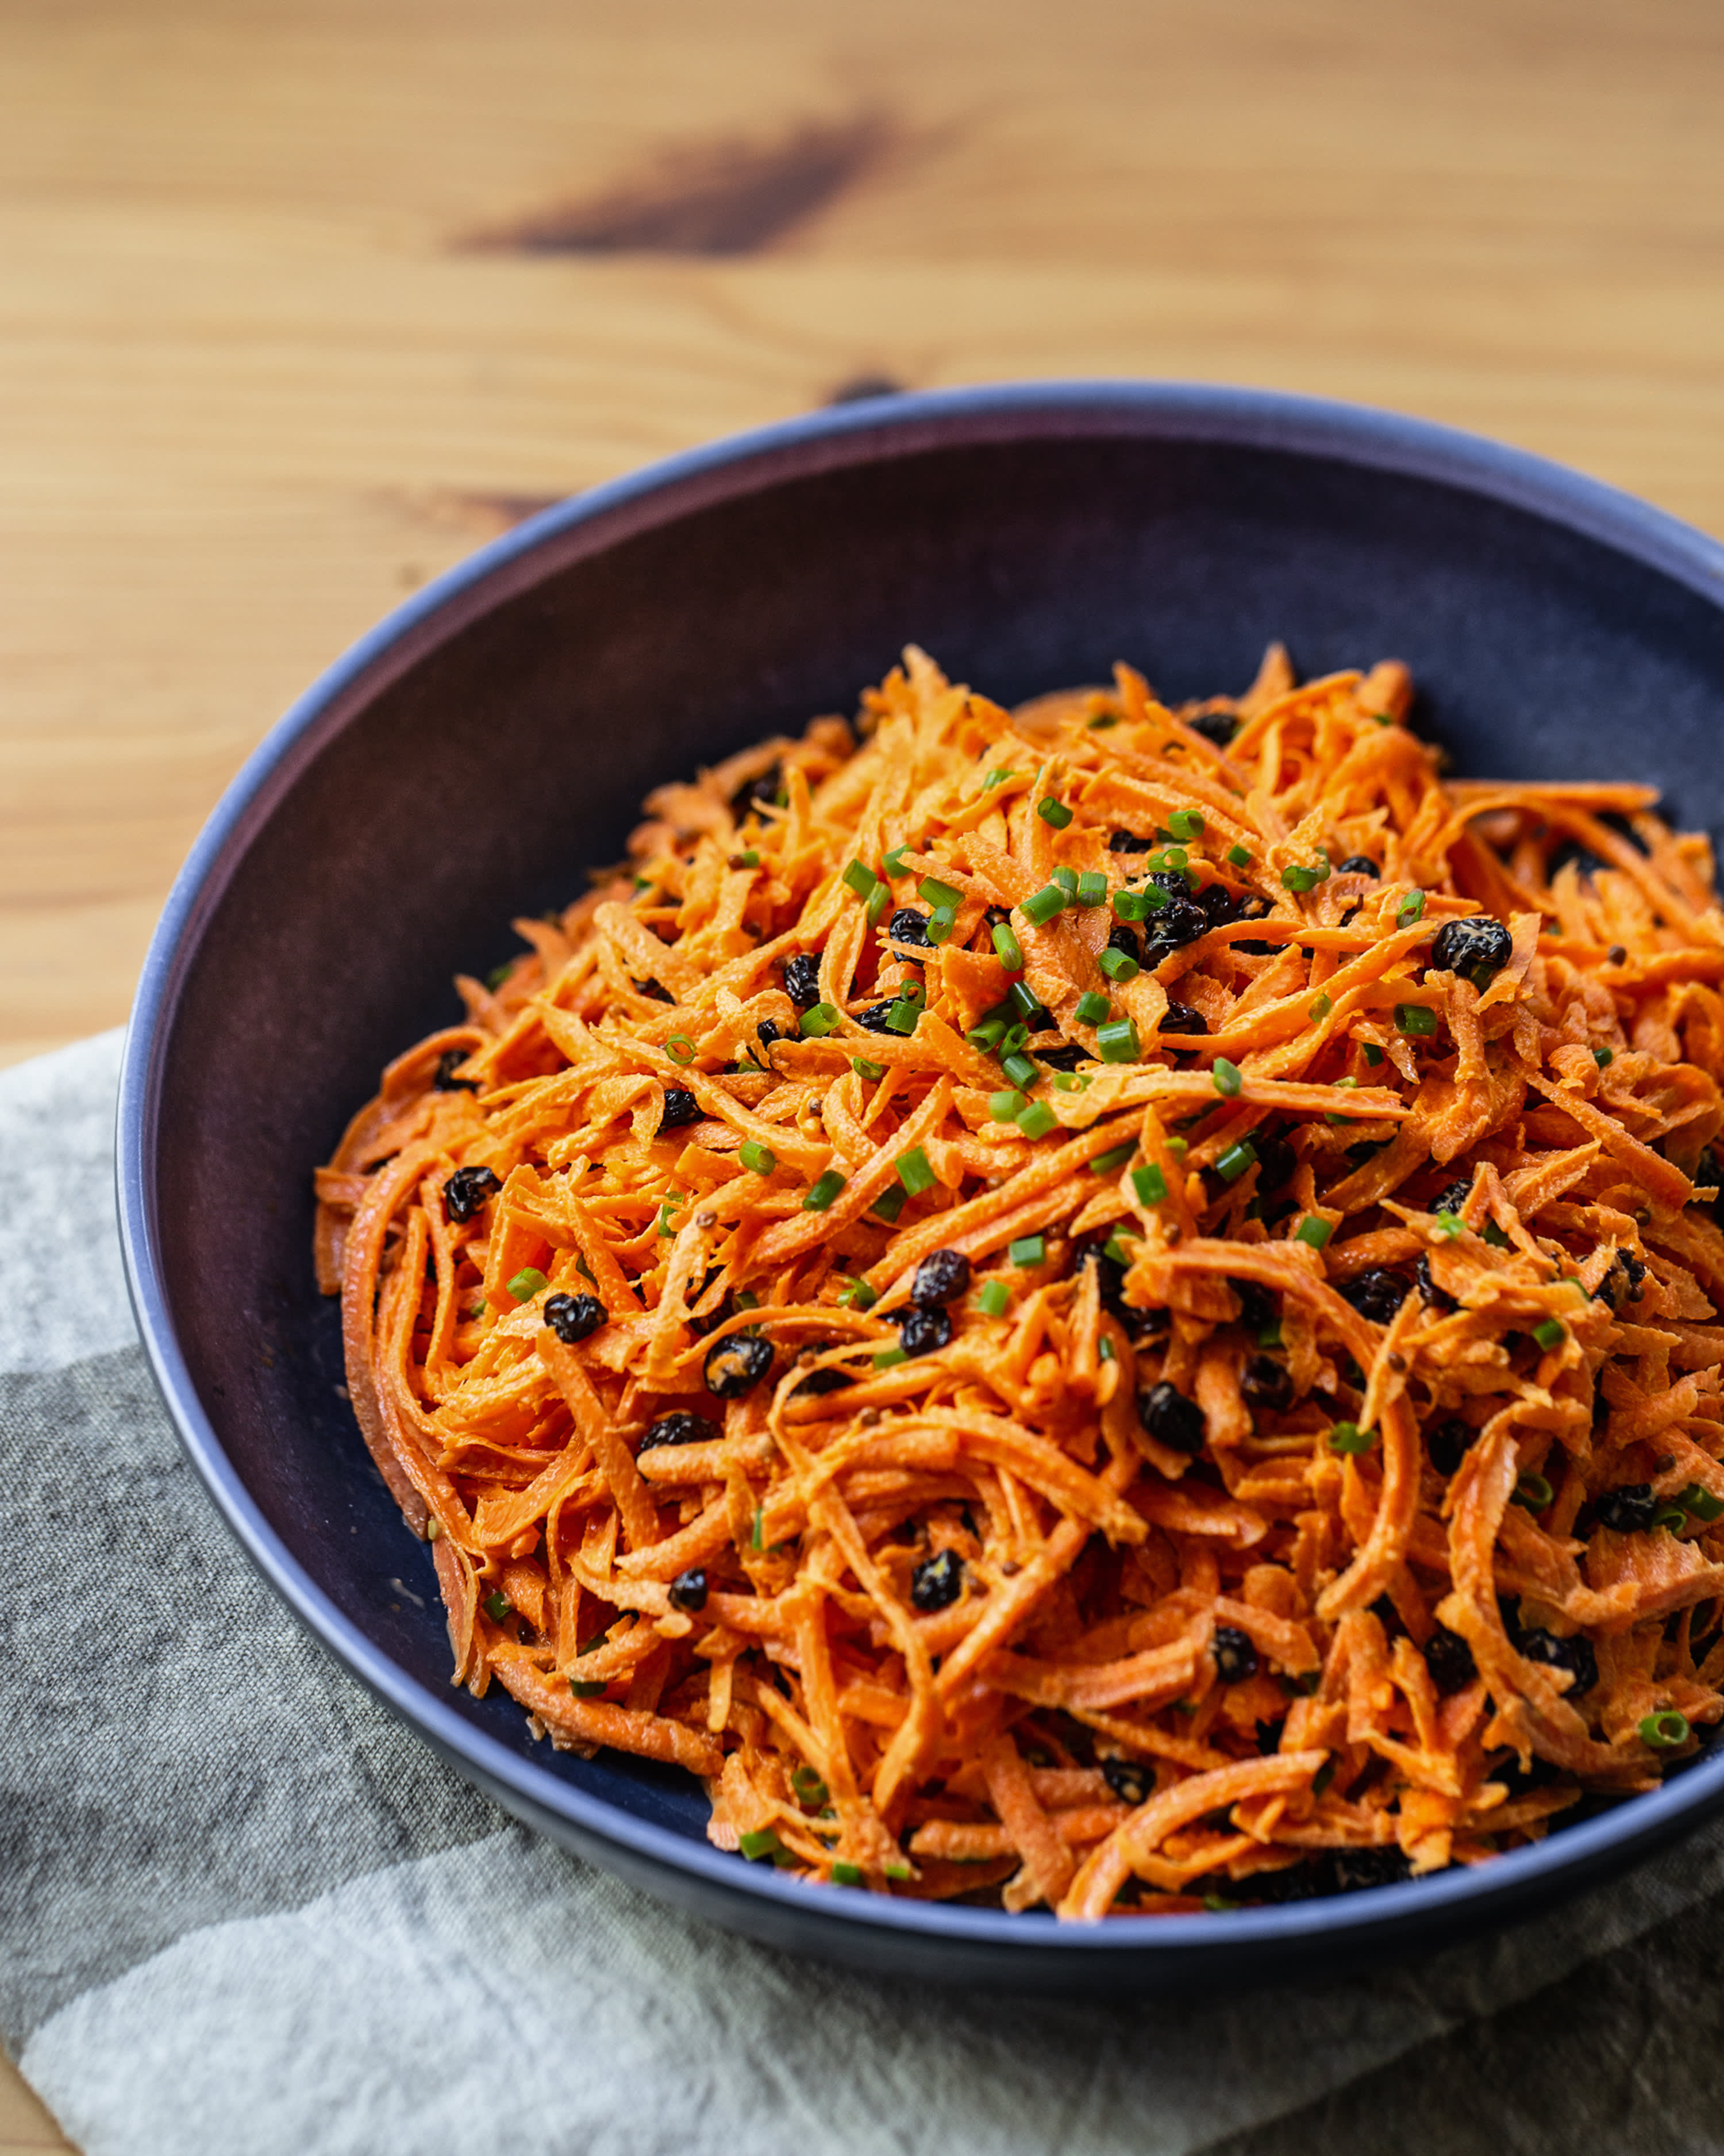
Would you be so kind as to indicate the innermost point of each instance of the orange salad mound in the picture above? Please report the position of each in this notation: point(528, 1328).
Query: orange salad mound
point(1102, 1306)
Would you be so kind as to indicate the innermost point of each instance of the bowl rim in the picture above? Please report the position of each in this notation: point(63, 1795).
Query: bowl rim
point(902, 425)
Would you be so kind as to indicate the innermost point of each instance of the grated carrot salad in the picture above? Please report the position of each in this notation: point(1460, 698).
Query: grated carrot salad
point(1098, 1306)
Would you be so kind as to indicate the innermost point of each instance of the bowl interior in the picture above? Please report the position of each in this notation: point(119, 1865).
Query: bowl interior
point(470, 772)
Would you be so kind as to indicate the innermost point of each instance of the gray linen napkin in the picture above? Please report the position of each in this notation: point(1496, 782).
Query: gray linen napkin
point(241, 1910)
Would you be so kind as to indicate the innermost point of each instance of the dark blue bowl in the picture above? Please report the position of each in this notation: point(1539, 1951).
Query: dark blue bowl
point(469, 759)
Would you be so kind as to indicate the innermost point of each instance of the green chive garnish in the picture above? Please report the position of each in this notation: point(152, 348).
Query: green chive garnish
point(1052, 810)
point(1008, 949)
point(1028, 1251)
point(1321, 1008)
point(1410, 909)
point(888, 1357)
point(1532, 1492)
point(863, 1068)
point(1665, 1731)
point(1185, 824)
point(1067, 880)
point(1226, 1078)
point(1494, 1236)
point(894, 862)
point(1117, 1248)
point(1234, 1163)
point(846, 1875)
point(497, 1605)
point(1041, 905)
point(1150, 1184)
point(1348, 1437)
point(1603, 1057)
point(1092, 1007)
point(939, 894)
point(890, 1202)
point(760, 1159)
point(1037, 1120)
point(1240, 856)
point(903, 1016)
point(757, 1539)
point(1697, 1499)
point(1552, 1333)
point(1092, 888)
point(942, 921)
point(1299, 879)
point(527, 1283)
point(586, 1687)
point(822, 1192)
point(993, 1298)
point(763, 1842)
point(1006, 1108)
point(861, 879)
point(1450, 1225)
point(857, 1295)
point(997, 776)
point(1020, 1069)
point(1024, 1001)
point(1135, 905)
point(879, 899)
point(680, 1049)
point(1115, 1158)
point(1415, 1020)
point(1118, 965)
point(1370, 1052)
point(1117, 1041)
point(1313, 1231)
point(816, 1024)
point(914, 1172)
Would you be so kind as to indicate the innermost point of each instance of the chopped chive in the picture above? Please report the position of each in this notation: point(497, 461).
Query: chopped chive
point(527, 1283)
point(1150, 1184)
point(820, 1193)
point(857, 1295)
point(1234, 1163)
point(586, 1687)
point(1313, 1231)
point(1416, 1020)
point(1006, 1108)
point(1118, 965)
point(1410, 909)
point(1671, 1517)
point(890, 1202)
point(1135, 905)
point(1301, 879)
point(498, 974)
point(1552, 1333)
point(898, 1871)
point(1348, 1437)
point(1027, 1250)
point(809, 1788)
point(903, 1016)
point(997, 776)
point(667, 1226)
point(993, 1298)
point(1450, 1225)
point(1321, 1008)
point(1532, 1492)
point(1006, 947)
point(846, 1875)
point(894, 864)
point(1494, 1236)
point(1092, 1007)
point(1117, 1248)
point(816, 1024)
point(1092, 888)
point(1105, 1350)
point(861, 879)
point(761, 1159)
point(942, 921)
point(763, 1842)
point(1014, 1039)
point(1021, 1068)
point(1116, 1156)
point(1185, 824)
point(1664, 1732)
point(1370, 1052)
point(939, 894)
point(914, 1172)
point(863, 1068)
point(1067, 880)
point(1101, 721)
point(680, 1049)
point(1324, 1776)
point(1037, 1120)
point(497, 1605)
point(1269, 1333)
point(1240, 856)
point(749, 858)
point(757, 1539)
point(1053, 810)
point(1025, 1001)
point(1697, 1499)
point(879, 899)
point(1603, 1057)
point(1117, 1041)
point(1041, 905)
point(1070, 1081)
point(1226, 1078)
point(987, 1035)
point(888, 1357)
point(1174, 857)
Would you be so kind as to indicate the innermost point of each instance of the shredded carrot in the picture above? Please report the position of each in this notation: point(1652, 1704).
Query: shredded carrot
point(1108, 1307)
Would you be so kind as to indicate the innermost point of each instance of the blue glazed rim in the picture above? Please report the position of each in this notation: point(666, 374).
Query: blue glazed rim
point(901, 425)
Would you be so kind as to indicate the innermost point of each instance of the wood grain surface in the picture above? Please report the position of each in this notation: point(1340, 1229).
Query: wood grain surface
point(304, 300)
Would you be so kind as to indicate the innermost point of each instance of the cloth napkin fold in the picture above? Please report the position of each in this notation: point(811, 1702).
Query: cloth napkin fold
point(242, 1909)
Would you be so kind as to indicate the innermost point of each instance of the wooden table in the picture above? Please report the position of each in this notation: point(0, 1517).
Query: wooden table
point(302, 301)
